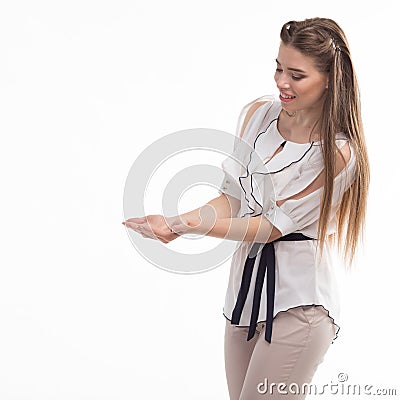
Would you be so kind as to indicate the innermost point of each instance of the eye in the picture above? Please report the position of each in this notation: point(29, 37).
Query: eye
point(278, 70)
point(297, 78)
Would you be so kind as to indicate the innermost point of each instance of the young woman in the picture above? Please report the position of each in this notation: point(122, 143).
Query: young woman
point(281, 304)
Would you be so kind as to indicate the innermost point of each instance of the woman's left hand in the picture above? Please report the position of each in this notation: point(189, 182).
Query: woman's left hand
point(152, 227)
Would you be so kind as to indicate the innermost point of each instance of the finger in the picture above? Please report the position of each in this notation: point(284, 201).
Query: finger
point(162, 238)
point(135, 227)
point(147, 232)
point(129, 225)
point(137, 220)
point(156, 231)
point(132, 225)
point(163, 235)
point(145, 227)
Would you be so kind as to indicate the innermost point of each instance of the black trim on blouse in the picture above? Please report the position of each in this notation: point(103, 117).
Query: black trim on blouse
point(250, 175)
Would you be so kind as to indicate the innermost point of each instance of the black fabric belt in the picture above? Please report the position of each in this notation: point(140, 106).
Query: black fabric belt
point(267, 263)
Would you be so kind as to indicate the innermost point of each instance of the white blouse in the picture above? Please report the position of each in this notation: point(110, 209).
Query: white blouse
point(259, 179)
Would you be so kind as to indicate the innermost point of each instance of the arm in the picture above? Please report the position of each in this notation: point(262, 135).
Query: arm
point(253, 229)
point(222, 208)
point(161, 228)
point(261, 229)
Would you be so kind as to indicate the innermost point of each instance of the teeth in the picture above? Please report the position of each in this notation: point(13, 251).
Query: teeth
point(285, 96)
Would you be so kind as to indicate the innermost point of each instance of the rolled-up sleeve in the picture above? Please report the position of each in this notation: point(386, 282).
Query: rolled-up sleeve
point(230, 186)
point(295, 214)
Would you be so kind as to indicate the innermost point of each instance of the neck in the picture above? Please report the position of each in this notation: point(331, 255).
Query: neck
point(301, 125)
point(306, 119)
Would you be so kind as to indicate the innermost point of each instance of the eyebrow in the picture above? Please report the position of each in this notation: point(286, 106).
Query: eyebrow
point(292, 69)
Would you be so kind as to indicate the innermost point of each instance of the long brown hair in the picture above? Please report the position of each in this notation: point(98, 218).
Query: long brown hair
point(324, 41)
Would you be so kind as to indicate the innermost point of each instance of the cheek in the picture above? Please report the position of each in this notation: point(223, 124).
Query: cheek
point(319, 89)
point(319, 85)
point(313, 89)
point(300, 87)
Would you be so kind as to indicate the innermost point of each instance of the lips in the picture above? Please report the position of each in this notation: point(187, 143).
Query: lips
point(286, 98)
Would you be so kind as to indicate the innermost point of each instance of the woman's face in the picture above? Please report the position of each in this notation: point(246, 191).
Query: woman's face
point(301, 86)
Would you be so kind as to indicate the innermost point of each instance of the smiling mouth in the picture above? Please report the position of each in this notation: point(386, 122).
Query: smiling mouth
point(286, 96)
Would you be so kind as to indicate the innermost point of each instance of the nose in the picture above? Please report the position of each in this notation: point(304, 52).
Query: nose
point(282, 81)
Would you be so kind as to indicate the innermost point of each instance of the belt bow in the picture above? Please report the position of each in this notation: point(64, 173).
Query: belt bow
point(266, 264)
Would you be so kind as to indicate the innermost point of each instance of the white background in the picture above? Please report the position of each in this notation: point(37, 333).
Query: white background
point(85, 87)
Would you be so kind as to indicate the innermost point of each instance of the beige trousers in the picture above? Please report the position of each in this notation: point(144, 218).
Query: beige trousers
point(257, 369)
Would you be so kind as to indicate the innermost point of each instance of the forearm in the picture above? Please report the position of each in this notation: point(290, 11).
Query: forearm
point(223, 206)
point(253, 229)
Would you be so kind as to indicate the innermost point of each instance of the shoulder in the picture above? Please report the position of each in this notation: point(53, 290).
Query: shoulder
point(344, 157)
point(345, 151)
point(250, 109)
